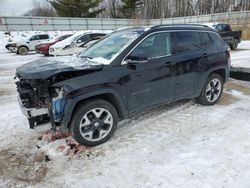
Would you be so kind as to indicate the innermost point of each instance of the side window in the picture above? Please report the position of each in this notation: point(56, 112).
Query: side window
point(43, 37)
point(155, 45)
point(219, 28)
point(215, 39)
point(204, 39)
point(83, 38)
point(226, 27)
point(187, 41)
point(35, 37)
point(98, 35)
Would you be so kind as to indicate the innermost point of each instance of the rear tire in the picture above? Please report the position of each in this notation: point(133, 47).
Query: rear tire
point(212, 90)
point(23, 50)
point(94, 122)
point(234, 46)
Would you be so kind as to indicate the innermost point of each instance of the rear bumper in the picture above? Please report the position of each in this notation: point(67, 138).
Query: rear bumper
point(44, 51)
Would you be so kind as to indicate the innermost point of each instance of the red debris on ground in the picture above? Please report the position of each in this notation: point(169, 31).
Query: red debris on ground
point(70, 148)
point(51, 136)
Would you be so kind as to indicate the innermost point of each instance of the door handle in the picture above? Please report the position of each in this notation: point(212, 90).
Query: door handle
point(170, 63)
point(205, 55)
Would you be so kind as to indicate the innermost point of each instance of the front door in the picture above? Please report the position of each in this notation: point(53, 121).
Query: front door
point(149, 78)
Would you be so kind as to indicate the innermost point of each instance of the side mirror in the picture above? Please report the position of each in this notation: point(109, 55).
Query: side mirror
point(137, 58)
point(79, 41)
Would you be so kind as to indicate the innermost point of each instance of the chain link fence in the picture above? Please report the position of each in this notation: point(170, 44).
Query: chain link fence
point(238, 20)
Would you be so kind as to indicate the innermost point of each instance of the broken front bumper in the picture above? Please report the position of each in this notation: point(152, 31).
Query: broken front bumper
point(36, 116)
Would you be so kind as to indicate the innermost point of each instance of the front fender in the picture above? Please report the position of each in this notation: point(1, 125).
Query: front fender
point(72, 102)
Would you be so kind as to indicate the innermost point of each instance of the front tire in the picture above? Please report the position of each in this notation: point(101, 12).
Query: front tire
point(94, 122)
point(212, 90)
point(23, 50)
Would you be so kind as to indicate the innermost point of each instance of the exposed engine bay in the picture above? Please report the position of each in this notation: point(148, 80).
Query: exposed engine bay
point(43, 103)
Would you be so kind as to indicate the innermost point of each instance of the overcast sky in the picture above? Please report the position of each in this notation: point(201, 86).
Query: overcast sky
point(14, 7)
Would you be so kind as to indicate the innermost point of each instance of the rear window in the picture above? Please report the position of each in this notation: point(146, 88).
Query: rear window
point(43, 36)
point(186, 41)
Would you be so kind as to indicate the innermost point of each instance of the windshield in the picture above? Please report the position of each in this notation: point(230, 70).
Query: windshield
point(109, 47)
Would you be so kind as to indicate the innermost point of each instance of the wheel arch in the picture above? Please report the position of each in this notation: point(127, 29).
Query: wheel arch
point(108, 95)
point(24, 46)
point(21, 47)
point(221, 72)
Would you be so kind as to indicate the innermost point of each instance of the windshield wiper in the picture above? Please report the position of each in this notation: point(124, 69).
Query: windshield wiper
point(87, 57)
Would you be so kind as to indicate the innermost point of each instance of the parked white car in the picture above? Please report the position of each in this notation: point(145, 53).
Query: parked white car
point(69, 45)
point(81, 48)
point(23, 46)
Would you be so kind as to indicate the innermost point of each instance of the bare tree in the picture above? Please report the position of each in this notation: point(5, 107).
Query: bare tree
point(41, 8)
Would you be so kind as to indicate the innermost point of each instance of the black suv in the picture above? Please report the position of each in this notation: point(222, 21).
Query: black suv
point(124, 73)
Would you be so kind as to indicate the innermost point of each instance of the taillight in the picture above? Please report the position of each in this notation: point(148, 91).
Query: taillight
point(229, 55)
point(229, 52)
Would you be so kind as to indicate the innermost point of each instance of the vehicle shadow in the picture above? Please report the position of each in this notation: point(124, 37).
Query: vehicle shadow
point(156, 111)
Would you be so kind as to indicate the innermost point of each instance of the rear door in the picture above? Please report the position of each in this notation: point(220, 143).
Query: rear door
point(149, 78)
point(189, 56)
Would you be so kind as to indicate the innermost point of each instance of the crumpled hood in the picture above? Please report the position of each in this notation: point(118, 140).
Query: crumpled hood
point(47, 67)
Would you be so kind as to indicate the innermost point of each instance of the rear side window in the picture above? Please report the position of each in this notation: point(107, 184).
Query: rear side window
point(204, 39)
point(187, 41)
point(43, 36)
point(216, 39)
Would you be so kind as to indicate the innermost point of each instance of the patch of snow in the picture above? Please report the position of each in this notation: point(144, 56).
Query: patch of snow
point(181, 144)
point(101, 60)
point(241, 56)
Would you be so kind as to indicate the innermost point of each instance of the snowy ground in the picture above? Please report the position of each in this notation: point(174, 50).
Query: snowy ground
point(241, 56)
point(178, 145)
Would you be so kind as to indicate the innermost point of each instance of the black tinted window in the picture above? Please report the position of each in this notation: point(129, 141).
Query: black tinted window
point(64, 37)
point(226, 27)
point(187, 41)
point(204, 39)
point(35, 37)
point(43, 36)
point(98, 35)
point(83, 38)
point(215, 39)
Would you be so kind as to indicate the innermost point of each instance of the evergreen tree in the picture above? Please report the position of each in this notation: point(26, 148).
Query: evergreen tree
point(129, 8)
point(77, 8)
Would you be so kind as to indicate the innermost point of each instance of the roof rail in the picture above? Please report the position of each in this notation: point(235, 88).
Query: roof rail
point(166, 25)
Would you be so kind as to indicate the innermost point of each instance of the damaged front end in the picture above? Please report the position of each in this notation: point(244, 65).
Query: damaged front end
point(40, 102)
point(41, 98)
